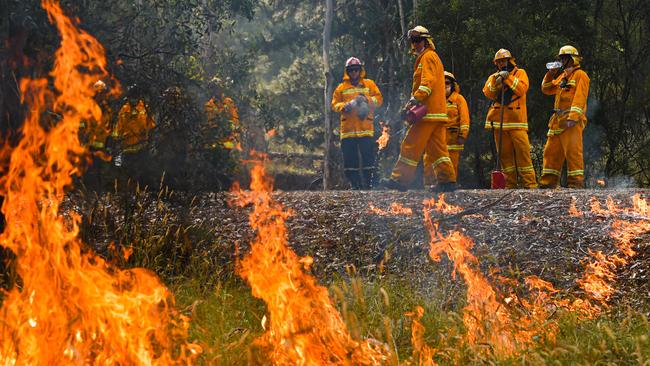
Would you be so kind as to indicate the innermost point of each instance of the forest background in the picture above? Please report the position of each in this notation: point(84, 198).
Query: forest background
point(268, 56)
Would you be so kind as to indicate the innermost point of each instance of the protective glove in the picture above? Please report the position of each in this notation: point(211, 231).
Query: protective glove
point(570, 123)
point(503, 74)
point(461, 140)
point(349, 106)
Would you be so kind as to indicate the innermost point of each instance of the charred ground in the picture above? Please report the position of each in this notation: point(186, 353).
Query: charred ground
point(516, 234)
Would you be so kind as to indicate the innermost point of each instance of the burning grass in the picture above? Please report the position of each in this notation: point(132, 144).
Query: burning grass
point(226, 321)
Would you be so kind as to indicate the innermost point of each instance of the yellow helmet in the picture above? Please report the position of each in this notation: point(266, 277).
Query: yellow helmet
point(450, 75)
point(570, 51)
point(421, 32)
point(501, 54)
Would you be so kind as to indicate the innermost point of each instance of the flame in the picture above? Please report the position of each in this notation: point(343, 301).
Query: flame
point(72, 307)
point(573, 211)
point(382, 141)
point(600, 269)
point(441, 206)
point(304, 327)
point(395, 209)
point(271, 133)
point(600, 182)
point(421, 351)
point(486, 318)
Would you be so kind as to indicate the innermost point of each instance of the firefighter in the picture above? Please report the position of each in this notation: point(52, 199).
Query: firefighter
point(570, 85)
point(429, 133)
point(457, 125)
point(356, 99)
point(93, 132)
point(132, 130)
point(514, 148)
point(217, 110)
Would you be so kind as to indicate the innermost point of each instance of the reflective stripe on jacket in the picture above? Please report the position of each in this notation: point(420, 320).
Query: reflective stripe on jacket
point(570, 101)
point(429, 85)
point(458, 113)
point(515, 116)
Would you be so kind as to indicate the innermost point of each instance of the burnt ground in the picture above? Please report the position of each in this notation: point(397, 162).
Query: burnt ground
point(517, 233)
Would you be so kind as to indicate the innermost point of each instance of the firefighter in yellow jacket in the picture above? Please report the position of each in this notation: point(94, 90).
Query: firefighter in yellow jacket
point(570, 85)
point(223, 108)
point(93, 132)
point(514, 148)
point(132, 128)
point(457, 125)
point(355, 99)
point(430, 132)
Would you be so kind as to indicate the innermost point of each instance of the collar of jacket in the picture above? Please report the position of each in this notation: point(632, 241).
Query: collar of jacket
point(452, 97)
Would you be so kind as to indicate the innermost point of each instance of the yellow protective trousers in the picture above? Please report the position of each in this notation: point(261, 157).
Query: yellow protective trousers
point(515, 158)
point(564, 146)
point(429, 137)
point(454, 149)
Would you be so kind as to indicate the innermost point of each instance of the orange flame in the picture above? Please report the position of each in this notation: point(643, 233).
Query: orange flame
point(395, 209)
point(600, 270)
point(487, 320)
point(573, 210)
point(304, 327)
point(382, 141)
point(441, 206)
point(421, 351)
point(600, 182)
point(71, 306)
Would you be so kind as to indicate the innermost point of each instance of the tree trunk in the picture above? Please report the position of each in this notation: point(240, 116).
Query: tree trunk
point(329, 146)
point(415, 13)
point(402, 22)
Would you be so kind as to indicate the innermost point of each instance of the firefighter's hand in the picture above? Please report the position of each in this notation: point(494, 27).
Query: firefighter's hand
point(411, 103)
point(570, 123)
point(461, 140)
point(347, 108)
point(361, 98)
point(503, 74)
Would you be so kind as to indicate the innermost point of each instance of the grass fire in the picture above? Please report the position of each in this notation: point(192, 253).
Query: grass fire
point(175, 191)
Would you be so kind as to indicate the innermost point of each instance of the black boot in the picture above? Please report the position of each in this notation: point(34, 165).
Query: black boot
point(389, 184)
point(354, 178)
point(367, 179)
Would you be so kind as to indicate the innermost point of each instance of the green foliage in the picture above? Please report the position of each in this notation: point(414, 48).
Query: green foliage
point(227, 320)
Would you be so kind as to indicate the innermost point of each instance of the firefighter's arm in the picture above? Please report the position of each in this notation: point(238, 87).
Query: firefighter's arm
point(492, 87)
point(427, 80)
point(518, 83)
point(579, 103)
point(375, 97)
point(550, 85)
point(337, 100)
point(463, 115)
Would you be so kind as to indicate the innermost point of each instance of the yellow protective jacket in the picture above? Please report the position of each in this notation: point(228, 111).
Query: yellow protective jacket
point(94, 132)
point(227, 108)
point(351, 125)
point(515, 116)
point(429, 85)
point(458, 112)
point(133, 126)
point(570, 101)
